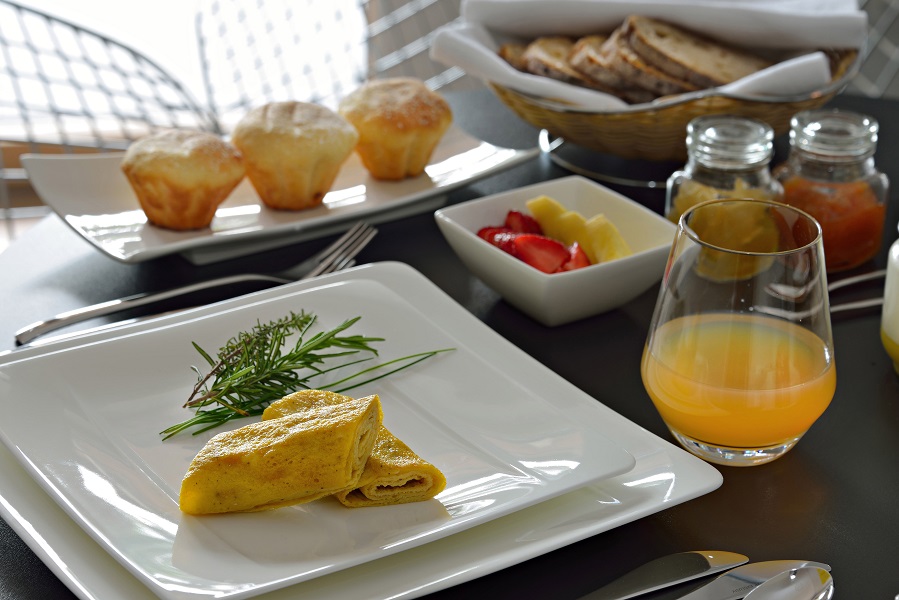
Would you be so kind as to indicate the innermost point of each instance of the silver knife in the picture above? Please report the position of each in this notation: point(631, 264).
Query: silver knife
point(738, 582)
point(667, 571)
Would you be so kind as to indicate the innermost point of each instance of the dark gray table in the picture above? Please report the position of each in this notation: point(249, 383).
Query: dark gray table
point(832, 499)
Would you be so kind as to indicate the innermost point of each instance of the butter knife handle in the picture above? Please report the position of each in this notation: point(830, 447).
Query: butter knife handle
point(35, 330)
point(667, 571)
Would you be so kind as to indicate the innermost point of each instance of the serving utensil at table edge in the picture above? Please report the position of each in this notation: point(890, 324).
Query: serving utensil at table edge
point(805, 583)
point(793, 294)
point(841, 283)
point(736, 583)
point(667, 571)
point(337, 256)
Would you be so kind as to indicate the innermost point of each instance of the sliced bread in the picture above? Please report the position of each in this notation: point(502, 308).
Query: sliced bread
point(513, 53)
point(687, 55)
point(627, 63)
point(588, 58)
point(548, 56)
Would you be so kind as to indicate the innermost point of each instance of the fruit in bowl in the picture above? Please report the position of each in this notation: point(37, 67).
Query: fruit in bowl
point(564, 296)
point(522, 237)
point(556, 239)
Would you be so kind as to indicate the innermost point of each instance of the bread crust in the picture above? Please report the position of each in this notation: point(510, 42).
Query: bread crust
point(181, 177)
point(687, 55)
point(639, 61)
point(548, 56)
point(293, 152)
point(400, 122)
point(513, 53)
point(590, 58)
point(587, 57)
point(625, 61)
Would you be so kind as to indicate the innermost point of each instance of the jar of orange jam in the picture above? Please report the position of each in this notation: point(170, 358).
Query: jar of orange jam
point(831, 175)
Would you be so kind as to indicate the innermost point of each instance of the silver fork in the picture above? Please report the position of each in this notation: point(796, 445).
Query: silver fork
point(338, 256)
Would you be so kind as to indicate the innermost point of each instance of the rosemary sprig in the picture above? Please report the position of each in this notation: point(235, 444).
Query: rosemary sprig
point(251, 370)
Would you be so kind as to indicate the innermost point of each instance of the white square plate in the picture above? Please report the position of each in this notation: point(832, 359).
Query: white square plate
point(93, 197)
point(89, 436)
point(664, 476)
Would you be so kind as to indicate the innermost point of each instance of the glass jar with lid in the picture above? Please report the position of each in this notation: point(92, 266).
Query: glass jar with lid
point(831, 175)
point(727, 157)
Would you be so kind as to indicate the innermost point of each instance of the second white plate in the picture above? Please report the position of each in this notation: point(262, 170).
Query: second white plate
point(93, 197)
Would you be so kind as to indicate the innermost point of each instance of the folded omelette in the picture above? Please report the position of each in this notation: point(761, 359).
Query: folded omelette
point(393, 474)
point(301, 457)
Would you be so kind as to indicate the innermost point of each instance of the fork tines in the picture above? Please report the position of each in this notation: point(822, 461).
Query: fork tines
point(344, 250)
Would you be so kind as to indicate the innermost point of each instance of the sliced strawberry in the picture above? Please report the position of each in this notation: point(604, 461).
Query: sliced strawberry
point(541, 252)
point(522, 223)
point(501, 237)
point(577, 258)
point(487, 233)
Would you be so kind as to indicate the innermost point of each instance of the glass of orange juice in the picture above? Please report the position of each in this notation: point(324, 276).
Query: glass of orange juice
point(739, 357)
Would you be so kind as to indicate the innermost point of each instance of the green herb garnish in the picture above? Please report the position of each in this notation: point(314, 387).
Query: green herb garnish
point(251, 370)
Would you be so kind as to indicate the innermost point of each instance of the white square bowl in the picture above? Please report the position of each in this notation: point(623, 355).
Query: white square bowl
point(558, 298)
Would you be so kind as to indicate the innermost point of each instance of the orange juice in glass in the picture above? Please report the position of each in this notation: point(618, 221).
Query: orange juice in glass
point(739, 357)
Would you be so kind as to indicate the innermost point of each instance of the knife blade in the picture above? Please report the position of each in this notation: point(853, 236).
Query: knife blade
point(736, 583)
point(667, 571)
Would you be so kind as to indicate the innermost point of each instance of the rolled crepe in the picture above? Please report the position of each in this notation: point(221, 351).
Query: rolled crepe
point(393, 474)
point(278, 462)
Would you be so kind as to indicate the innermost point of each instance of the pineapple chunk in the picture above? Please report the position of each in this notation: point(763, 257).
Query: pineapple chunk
point(571, 227)
point(604, 241)
point(547, 211)
point(597, 236)
point(556, 221)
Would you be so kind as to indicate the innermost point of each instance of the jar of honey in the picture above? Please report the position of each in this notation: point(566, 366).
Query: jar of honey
point(831, 175)
point(889, 329)
point(727, 157)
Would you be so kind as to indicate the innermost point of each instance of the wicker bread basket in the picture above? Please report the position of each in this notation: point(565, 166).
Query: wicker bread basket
point(657, 131)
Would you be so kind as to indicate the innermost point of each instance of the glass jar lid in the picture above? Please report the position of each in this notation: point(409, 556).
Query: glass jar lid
point(730, 142)
point(834, 134)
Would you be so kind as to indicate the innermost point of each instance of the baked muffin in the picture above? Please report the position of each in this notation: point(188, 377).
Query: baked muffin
point(400, 122)
point(293, 152)
point(181, 177)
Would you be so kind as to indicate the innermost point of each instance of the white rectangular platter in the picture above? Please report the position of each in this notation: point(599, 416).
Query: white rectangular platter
point(187, 557)
point(93, 197)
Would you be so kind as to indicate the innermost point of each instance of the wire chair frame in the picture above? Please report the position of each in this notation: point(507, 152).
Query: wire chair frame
point(877, 76)
point(66, 89)
point(315, 50)
point(63, 84)
point(399, 38)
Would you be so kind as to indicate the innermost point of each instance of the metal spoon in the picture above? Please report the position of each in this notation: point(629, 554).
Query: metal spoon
point(805, 583)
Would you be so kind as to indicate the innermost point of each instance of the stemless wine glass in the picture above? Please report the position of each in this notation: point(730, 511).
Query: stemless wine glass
point(739, 358)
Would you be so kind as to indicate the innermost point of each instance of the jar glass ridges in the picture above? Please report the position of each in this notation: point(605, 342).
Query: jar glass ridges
point(834, 136)
point(831, 175)
point(727, 157)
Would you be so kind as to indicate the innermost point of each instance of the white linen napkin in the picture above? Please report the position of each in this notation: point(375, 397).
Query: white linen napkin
point(787, 27)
